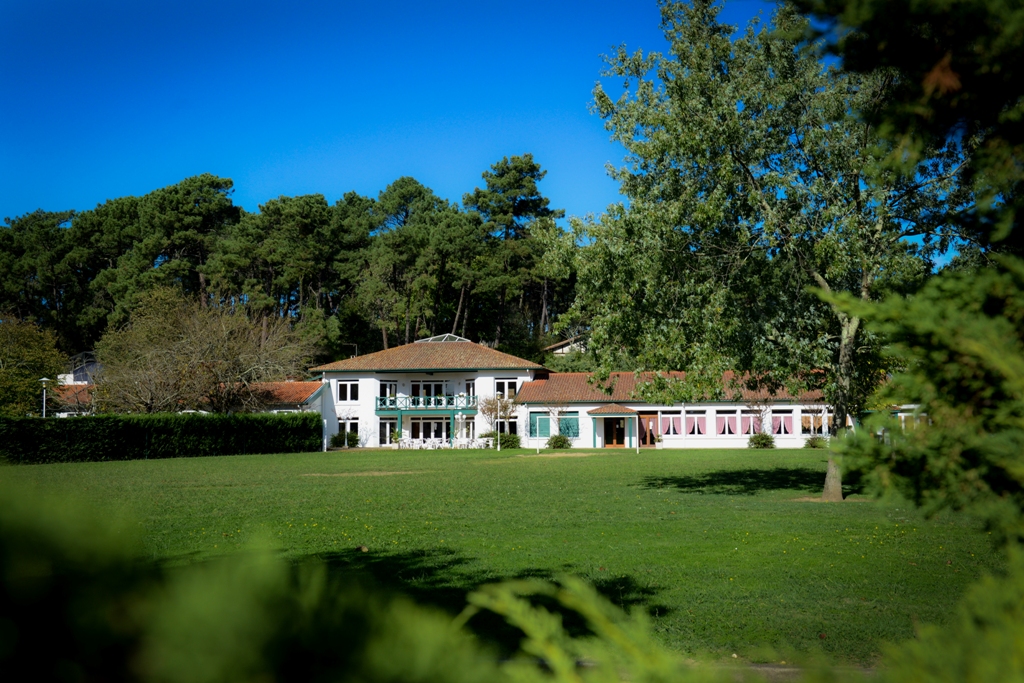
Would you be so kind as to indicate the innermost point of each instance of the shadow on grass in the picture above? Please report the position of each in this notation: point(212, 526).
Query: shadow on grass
point(749, 482)
point(441, 579)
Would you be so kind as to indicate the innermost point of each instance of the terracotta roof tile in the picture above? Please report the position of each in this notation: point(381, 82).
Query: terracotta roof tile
point(611, 409)
point(575, 387)
point(289, 392)
point(449, 355)
point(74, 394)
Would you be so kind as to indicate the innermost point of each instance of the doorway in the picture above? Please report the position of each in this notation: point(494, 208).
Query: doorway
point(648, 430)
point(614, 432)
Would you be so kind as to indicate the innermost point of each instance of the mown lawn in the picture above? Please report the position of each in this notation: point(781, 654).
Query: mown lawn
point(721, 547)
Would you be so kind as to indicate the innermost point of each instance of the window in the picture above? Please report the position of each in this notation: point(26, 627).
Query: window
point(540, 425)
point(671, 423)
point(750, 422)
point(569, 424)
point(815, 423)
point(696, 422)
point(429, 428)
point(386, 431)
point(470, 388)
point(782, 422)
point(505, 388)
point(726, 423)
point(388, 393)
point(348, 391)
point(508, 427)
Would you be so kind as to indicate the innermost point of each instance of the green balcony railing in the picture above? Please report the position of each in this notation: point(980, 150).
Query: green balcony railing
point(426, 402)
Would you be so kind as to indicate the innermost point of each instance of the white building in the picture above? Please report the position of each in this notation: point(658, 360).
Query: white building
point(431, 390)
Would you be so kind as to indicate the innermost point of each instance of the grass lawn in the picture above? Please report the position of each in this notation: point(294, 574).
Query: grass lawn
point(717, 545)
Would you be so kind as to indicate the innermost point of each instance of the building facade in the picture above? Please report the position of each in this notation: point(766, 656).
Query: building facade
point(431, 391)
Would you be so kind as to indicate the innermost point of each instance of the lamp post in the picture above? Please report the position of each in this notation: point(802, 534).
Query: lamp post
point(44, 380)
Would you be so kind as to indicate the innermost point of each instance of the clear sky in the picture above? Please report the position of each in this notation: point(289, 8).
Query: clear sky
point(109, 98)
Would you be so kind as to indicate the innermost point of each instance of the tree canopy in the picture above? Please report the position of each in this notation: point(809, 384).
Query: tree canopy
point(364, 273)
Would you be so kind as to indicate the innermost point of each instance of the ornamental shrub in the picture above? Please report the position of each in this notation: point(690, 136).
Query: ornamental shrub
point(816, 441)
point(761, 440)
point(343, 439)
point(31, 440)
point(507, 440)
point(559, 441)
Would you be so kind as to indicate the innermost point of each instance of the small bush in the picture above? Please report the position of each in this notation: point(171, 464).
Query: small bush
point(559, 441)
point(816, 441)
point(343, 439)
point(761, 440)
point(507, 440)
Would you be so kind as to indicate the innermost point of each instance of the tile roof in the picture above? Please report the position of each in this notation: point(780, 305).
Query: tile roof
point(288, 392)
point(434, 356)
point(575, 387)
point(612, 409)
point(74, 394)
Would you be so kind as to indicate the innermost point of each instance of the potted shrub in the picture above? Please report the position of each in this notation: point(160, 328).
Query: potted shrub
point(658, 442)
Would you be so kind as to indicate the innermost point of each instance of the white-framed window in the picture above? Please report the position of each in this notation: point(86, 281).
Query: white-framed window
point(386, 431)
point(348, 392)
point(726, 423)
point(750, 422)
point(782, 422)
point(470, 387)
point(429, 393)
point(696, 422)
point(508, 426)
point(671, 423)
point(815, 423)
point(423, 428)
point(506, 388)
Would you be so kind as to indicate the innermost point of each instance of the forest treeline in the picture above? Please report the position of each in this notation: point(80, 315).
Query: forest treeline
point(362, 274)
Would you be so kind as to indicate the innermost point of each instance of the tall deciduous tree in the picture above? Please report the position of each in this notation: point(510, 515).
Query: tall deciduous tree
point(753, 175)
point(181, 354)
point(27, 354)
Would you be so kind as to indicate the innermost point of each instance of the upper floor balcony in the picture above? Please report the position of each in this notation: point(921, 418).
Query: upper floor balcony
point(460, 402)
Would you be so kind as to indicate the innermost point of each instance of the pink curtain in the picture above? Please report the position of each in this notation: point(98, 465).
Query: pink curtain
point(776, 424)
point(664, 425)
point(677, 425)
point(744, 425)
point(702, 423)
point(731, 420)
point(689, 424)
point(787, 420)
point(720, 424)
point(756, 421)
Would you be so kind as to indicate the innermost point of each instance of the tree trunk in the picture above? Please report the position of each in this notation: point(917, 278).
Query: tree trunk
point(384, 333)
point(544, 308)
point(501, 317)
point(408, 306)
point(833, 492)
point(834, 476)
point(458, 312)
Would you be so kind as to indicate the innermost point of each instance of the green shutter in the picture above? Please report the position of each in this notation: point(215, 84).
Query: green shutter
point(569, 425)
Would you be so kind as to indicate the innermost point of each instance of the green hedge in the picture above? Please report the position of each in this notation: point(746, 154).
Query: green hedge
point(30, 440)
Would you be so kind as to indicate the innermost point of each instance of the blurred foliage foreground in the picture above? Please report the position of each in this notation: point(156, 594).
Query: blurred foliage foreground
point(76, 604)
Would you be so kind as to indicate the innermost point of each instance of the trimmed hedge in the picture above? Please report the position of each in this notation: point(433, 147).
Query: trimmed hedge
point(32, 440)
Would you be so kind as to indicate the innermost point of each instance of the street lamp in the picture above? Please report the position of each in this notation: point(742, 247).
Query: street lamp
point(44, 380)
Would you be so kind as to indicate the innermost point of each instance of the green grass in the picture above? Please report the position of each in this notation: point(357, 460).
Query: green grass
point(716, 545)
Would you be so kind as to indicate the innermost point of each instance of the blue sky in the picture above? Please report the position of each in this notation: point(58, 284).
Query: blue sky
point(104, 99)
